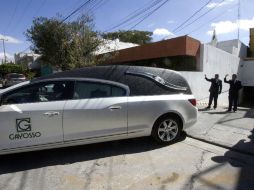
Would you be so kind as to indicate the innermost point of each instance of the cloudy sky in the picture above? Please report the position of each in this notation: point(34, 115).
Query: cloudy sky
point(165, 18)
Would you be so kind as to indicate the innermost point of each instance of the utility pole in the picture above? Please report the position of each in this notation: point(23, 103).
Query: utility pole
point(238, 17)
point(4, 49)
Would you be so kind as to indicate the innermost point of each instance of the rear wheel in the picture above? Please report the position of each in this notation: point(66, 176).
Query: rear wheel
point(167, 129)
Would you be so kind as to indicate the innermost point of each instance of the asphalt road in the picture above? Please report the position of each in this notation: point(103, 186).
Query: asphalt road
point(129, 164)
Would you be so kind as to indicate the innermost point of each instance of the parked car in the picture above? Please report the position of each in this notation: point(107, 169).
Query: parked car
point(95, 104)
point(12, 79)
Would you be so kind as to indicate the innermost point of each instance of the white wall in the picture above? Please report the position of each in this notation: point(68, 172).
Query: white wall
point(246, 72)
point(214, 61)
point(235, 47)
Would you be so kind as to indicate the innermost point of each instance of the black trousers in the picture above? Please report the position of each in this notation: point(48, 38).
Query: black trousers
point(213, 96)
point(233, 101)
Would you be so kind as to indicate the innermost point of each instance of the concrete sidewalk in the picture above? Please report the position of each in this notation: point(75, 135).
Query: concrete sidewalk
point(231, 130)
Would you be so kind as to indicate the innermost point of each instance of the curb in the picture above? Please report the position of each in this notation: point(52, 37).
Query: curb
point(221, 145)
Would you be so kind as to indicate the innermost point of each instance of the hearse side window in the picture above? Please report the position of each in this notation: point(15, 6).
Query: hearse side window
point(86, 90)
point(39, 92)
point(158, 80)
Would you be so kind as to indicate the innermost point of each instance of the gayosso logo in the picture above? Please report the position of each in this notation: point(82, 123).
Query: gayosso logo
point(23, 125)
point(24, 130)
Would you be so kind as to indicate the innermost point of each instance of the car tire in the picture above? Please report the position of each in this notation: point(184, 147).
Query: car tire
point(167, 129)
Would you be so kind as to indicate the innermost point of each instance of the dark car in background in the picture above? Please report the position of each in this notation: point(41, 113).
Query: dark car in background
point(11, 79)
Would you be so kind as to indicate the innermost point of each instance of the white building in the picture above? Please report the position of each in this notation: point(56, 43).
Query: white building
point(30, 60)
point(113, 45)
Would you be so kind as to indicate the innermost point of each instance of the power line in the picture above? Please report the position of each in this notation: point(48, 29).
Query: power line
point(99, 5)
point(37, 11)
point(12, 16)
point(21, 17)
point(23, 14)
point(66, 9)
point(89, 6)
point(214, 18)
point(194, 14)
point(92, 4)
point(217, 5)
point(76, 10)
point(68, 16)
point(137, 12)
point(25, 50)
point(238, 22)
point(39, 8)
point(95, 5)
point(149, 14)
point(134, 20)
point(131, 14)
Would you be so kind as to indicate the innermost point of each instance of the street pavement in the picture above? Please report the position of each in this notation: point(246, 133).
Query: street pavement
point(129, 165)
point(231, 130)
point(217, 154)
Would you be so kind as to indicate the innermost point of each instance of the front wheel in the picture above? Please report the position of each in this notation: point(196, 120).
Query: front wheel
point(167, 129)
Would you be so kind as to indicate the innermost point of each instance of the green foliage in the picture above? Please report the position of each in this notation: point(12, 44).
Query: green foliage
point(14, 68)
point(11, 68)
point(29, 74)
point(64, 45)
point(133, 36)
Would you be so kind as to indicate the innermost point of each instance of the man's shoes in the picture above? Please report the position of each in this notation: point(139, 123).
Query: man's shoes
point(235, 110)
point(208, 107)
point(229, 110)
point(215, 108)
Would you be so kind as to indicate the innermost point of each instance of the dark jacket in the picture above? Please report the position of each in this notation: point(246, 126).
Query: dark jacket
point(235, 86)
point(216, 86)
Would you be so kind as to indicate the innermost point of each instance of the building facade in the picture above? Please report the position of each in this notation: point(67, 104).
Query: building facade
point(181, 54)
point(190, 57)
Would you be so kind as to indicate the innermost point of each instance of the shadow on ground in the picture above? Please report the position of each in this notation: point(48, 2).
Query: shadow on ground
point(249, 113)
point(246, 175)
point(218, 113)
point(212, 111)
point(231, 116)
point(244, 162)
point(38, 159)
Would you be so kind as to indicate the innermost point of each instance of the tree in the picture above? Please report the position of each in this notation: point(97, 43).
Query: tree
point(133, 36)
point(64, 45)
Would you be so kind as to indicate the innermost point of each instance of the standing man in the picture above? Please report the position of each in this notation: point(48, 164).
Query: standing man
point(215, 90)
point(235, 86)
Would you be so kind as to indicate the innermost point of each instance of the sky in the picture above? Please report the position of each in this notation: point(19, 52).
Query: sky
point(16, 17)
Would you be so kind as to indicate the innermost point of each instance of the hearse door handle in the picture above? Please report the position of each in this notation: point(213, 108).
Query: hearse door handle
point(50, 114)
point(115, 108)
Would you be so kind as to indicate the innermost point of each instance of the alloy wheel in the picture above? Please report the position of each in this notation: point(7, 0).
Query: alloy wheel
point(167, 130)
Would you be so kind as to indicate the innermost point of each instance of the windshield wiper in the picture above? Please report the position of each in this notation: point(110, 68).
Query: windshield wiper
point(156, 79)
